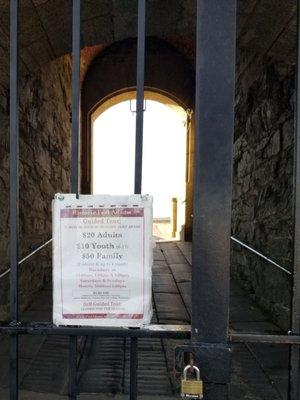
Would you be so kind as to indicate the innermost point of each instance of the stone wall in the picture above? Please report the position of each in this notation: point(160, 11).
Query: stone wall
point(44, 170)
point(263, 184)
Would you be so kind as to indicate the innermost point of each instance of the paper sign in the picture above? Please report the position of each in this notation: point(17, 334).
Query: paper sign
point(102, 260)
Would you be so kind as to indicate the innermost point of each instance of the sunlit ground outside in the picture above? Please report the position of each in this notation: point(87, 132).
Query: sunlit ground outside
point(164, 158)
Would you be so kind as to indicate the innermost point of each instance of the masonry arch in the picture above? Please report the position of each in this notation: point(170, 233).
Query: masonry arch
point(169, 78)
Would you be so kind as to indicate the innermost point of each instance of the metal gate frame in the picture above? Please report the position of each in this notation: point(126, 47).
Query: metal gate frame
point(215, 86)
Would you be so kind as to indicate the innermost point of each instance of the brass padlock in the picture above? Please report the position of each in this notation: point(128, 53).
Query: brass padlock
point(191, 388)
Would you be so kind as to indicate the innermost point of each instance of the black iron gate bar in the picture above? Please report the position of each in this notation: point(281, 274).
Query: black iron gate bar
point(14, 193)
point(295, 306)
point(215, 81)
point(75, 164)
point(152, 331)
point(139, 128)
point(214, 123)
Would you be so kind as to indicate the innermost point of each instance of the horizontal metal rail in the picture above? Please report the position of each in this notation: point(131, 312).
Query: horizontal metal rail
point(261, 255)
point(28, 256)
point(263, 338)
point(151, 331)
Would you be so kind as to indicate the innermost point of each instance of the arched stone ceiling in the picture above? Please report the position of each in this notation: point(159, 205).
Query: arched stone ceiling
point(263, 27)
point(45, 25)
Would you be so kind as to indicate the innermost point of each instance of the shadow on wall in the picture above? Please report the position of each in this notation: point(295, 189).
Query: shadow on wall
point(263, 187)
point(44, 170)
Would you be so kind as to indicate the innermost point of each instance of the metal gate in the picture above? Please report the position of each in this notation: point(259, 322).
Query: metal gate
point(215, 85)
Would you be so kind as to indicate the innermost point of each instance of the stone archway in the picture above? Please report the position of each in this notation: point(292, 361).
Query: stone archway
point(113, 72)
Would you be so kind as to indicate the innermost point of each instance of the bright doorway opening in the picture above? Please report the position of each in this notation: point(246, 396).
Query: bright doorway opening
point(164, 157)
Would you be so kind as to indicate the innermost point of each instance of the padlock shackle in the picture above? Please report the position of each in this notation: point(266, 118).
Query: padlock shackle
point(193, 367)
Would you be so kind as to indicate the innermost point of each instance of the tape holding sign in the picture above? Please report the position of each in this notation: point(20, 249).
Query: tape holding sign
point(102, 260)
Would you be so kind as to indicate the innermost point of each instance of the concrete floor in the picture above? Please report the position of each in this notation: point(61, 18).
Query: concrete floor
point(259, 372)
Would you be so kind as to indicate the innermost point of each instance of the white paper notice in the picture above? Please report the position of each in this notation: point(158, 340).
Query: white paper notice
point(102, 260)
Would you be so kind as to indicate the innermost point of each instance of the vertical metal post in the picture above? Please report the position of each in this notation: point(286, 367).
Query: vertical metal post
point(139, 130)
point(75, 97)
point(14, 192)
point(133, 368)
point(215, 88)
point(73, 368)
point(294, 387)
point(75, 165)
point(140, 95)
